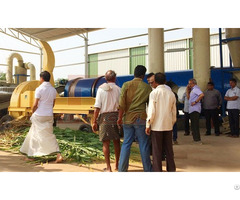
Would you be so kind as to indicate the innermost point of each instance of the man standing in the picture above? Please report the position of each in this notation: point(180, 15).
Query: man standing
point(107, 102)
point(212, 102)
point(195, 97)
point(132, 108)
point(160, 120)
point(40, 140)
point(232, 97)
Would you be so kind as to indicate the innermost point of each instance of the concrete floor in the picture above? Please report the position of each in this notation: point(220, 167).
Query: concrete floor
point(217, 154)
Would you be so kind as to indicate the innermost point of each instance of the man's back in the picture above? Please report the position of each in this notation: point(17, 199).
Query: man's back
point(46, 95)
point(162, 109)
point(107, 98)
point(134, 97)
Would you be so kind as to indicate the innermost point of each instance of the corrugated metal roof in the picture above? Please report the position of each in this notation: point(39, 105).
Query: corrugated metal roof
point(49, 34)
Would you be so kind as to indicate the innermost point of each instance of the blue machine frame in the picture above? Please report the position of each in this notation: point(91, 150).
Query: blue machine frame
point(220, 77)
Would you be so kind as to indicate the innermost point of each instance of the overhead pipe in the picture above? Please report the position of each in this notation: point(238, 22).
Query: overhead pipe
point(48, 59)
point(32, 69)
point(9, 73)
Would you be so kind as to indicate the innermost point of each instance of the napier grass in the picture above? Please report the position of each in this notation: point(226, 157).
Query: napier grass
point(75, 146)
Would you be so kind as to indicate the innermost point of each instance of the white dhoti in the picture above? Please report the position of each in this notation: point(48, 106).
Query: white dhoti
point(40, 139)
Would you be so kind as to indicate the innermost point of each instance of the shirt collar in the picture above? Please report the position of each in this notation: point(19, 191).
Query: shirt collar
point(46, 83)
point(160, 86)
point(111, 83)
point(137, 79)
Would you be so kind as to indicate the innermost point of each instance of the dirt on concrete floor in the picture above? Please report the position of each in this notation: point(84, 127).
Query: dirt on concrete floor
point(217, 154)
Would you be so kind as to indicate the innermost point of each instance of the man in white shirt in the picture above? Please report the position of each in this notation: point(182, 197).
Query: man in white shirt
point(107, 102)
point(40, 140)
point(232, 97)
point(160, 121)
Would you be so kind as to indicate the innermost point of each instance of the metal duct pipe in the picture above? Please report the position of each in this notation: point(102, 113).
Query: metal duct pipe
point(20, 75)
point(9, 73)
point(233, 36)
point(32, 69)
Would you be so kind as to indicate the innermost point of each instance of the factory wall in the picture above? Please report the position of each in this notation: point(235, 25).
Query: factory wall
point(176, 60)
point(178, 56)
point(114, 60)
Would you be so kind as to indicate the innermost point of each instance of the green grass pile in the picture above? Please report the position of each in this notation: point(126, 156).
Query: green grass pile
point(75, 146)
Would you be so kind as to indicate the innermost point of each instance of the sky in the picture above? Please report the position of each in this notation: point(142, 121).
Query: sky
point(77, 55)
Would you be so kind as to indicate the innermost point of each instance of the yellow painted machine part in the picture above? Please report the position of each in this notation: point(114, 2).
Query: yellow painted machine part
point(23, 96)
point(74, 105)
point(22, 99)
point(48, 59)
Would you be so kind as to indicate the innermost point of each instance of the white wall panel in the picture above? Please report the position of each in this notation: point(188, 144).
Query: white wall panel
point(176, 57)
point(120, 65)
point(176, 61)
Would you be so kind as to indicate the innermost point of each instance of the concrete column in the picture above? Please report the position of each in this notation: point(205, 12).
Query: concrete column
point(155, 50)
point(86, 58)
point(201, 56)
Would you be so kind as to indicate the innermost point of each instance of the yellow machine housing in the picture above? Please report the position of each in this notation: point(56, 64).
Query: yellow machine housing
point(22, 98)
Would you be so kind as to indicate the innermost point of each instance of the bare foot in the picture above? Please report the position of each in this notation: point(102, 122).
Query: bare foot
point(28, 159)
point(59, 159)
point(107, 170)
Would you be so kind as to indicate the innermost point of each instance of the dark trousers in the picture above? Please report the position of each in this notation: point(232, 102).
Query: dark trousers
point(212, 114)
point(186, 122)
point(175, 132)
point(162, 141)
point(194, 116)
point(233, 115)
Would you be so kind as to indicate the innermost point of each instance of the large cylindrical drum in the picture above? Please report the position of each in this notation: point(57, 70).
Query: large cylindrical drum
point(88, 87)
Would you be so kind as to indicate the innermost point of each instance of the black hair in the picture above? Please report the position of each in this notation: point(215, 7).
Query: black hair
point(233, 80)
point(45, 75)
point(150, 75)
point(139, 71)
point(160, 78)
point(211, 83)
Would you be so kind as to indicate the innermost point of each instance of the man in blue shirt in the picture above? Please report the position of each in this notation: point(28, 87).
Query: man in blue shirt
point(232, 97)
point(195, 96)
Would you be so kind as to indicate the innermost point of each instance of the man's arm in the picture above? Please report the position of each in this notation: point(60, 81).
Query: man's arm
point(234, 98)
point(227, 98)
point(95, 116)
point(150, 113)
point(120, 116)
point(122, 105)
point(35, 105)
point(97, 106)
point(219, 99)
point(188, 91)
point(174, 111)
point(198, 99)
